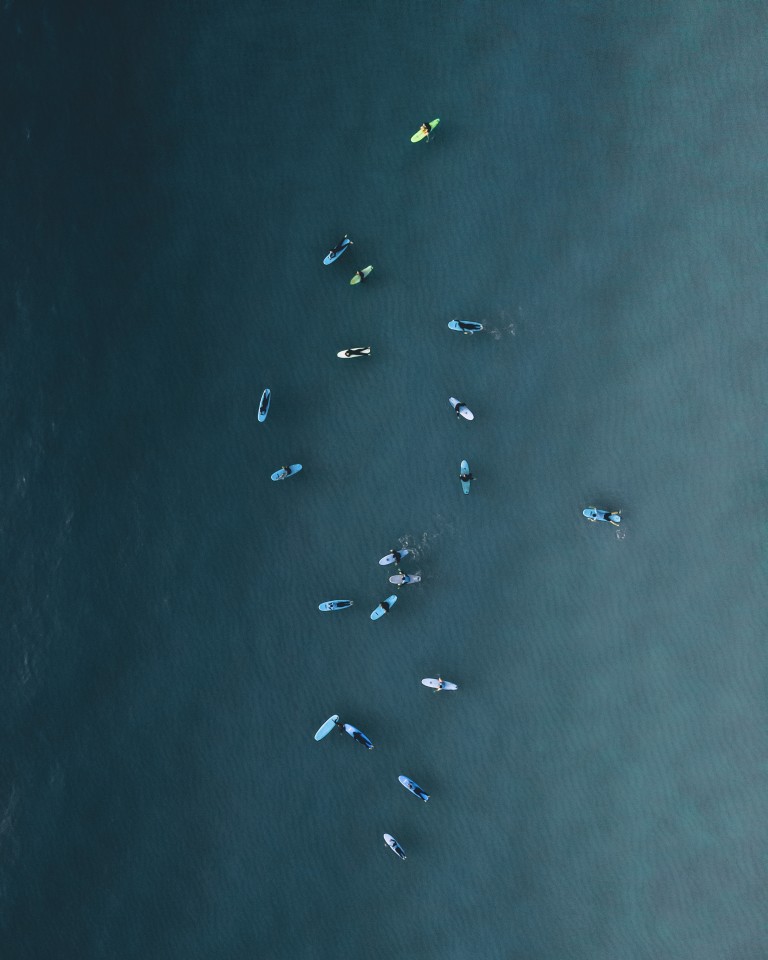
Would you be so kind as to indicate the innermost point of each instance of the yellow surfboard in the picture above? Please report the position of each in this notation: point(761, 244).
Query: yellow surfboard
point(419, 135)
point(365, 271)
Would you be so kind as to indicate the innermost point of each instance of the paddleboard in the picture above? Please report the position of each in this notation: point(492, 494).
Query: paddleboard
point(419, 135)
point(352, 352)
point(401, 578)
point(394, 845)
point(326, 728)
point(597, 513)
point(358, 735)
point(331, 257)
point(266, 399)
point(465, 484)
point(281, 474)
point(365, 272)
point(336, 605)
point(393, 557)
point(465, 326)
point(414, 788)
point(381, 609)
point(464, 410)
point(435, 684)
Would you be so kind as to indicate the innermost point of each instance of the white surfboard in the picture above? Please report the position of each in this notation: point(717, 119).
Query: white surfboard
point(403, 578)
point(465, 326)
point(326, 728)
point(351, 352)
point(435, 684)
point(394, 845)
point(463, 409)
point(394, 557)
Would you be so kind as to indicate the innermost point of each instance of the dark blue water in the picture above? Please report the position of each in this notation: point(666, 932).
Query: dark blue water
point(173, 176)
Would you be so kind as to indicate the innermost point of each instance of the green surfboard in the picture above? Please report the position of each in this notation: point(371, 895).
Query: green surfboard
point(365, 271)
point(419, 135)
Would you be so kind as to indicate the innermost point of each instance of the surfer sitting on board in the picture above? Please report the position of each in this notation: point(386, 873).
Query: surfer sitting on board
point(465, 477)
point(440, 684)
point(360, 275)
point(425, 128)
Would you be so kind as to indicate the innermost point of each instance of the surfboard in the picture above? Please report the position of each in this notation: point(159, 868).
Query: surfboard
point(266, 399)
point(413, 787)
point(465, 484)
point(401, 578)
point(393, 557)
point(332, 257)
point(464, 411)
point(348, 355)
point(358, 735)
point(465, 326)
point(335, 605)
point(365, 272)
point(281, 473)
point(420, 136)
point(431, 682)
point(326, 728)
point(394, 845)
point(597, 513)
point(381, 609)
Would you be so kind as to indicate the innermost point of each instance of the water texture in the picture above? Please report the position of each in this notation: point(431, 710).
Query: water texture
point(173, 176)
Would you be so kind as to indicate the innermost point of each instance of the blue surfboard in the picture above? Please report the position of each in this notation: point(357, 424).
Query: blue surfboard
point(341, 247)
point(413, 787)
point(266, 399)
point(284, 472)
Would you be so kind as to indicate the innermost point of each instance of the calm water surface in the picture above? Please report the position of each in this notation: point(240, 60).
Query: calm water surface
point(174, 175)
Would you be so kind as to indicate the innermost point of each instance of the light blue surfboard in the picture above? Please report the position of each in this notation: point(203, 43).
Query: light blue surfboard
point(382, 609)
point(326, 728)
point(465, 484)
point(266, 399)
point(465, 326)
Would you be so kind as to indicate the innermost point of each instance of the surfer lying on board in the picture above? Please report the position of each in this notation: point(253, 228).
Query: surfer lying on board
point(338, 248)
point(355, 352)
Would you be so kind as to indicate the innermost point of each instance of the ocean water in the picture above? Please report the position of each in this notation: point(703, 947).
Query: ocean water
point(173, 176)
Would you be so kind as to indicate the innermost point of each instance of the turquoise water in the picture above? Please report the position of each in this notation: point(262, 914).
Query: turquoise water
point(594, 196)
